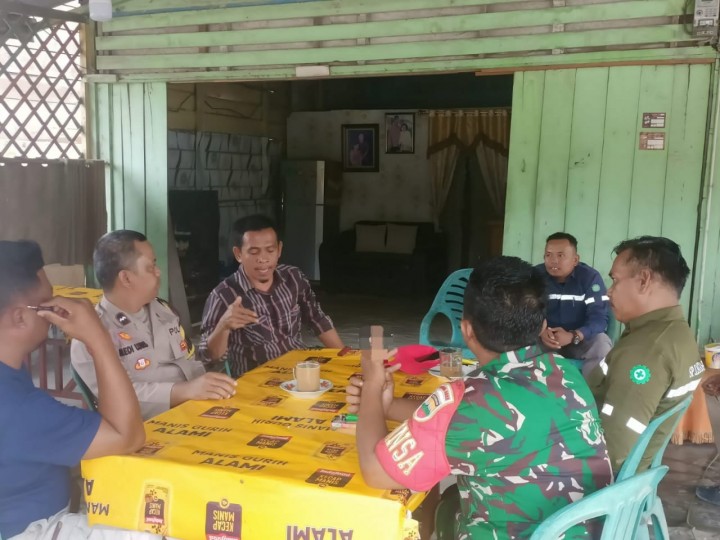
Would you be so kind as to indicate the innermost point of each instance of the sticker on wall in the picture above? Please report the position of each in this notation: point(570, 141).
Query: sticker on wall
point(652, 140)
point(654, 120)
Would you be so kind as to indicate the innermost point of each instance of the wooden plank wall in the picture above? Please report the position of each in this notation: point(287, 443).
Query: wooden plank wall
point(190, 40)
point(258, 109)
point(706, 308)
point(129, 133)
point(575, 163)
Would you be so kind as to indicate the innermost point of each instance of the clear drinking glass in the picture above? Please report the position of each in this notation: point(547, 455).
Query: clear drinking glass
point(451, 362)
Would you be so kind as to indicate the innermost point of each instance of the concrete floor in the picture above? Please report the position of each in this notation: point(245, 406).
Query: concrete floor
point(688, 518)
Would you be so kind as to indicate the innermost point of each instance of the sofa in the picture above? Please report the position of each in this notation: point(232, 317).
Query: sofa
point(384, 257)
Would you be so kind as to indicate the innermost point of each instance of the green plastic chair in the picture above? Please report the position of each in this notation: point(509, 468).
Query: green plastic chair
point(623, 505)
point(448, 302)
point(446, 513)
point(654, 512)
point(88, 397)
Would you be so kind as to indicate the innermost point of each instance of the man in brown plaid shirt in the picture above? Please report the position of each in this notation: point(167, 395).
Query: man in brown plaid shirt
point(257, 313)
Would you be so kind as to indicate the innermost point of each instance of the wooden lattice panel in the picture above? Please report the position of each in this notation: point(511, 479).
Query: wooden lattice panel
point(42, 111)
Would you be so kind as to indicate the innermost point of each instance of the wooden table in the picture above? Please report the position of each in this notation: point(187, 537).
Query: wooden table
point(262, 464)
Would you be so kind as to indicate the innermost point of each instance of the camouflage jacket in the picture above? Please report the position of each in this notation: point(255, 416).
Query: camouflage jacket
point(522, 436)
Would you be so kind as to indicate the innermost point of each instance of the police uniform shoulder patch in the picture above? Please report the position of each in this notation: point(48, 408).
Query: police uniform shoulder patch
point(640, 374)
point(122, 318)
point(595, 287)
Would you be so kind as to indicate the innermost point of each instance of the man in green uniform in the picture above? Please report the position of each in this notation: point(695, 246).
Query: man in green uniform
point(655, 364)
point(521, 432)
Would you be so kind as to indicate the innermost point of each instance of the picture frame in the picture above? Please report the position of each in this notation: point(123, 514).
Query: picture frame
point(360, 147)
point(399, 133)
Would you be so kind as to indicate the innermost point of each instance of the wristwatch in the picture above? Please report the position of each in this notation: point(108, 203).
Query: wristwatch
point(576, 338)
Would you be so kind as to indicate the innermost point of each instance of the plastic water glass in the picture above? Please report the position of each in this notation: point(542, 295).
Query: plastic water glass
point(451, 362)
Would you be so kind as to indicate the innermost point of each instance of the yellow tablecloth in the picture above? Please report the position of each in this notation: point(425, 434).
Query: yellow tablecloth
point(261, 465)
point(93, 295)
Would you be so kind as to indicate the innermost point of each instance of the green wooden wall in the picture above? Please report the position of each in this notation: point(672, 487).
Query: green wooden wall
point(575, 162)
point(195, 40)
point(128, 130)
point(706, 304)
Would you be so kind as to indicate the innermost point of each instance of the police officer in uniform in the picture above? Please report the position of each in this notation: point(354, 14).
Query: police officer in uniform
point(655, 364)
point(150, 342)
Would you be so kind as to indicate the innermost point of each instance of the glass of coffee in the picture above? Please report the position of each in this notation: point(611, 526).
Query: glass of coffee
point(451, 362)
point(307, 376)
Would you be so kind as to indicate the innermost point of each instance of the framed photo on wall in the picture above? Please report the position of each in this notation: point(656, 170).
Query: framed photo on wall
point(399, 133)
point(360, 147)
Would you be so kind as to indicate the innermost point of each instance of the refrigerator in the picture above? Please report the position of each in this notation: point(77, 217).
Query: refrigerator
point(310, 209)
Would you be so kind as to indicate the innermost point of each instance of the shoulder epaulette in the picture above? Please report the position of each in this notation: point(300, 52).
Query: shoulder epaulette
point(168, 305)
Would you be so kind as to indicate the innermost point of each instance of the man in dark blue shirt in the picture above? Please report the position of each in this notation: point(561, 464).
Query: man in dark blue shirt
point(577, 304)
point(41, 438)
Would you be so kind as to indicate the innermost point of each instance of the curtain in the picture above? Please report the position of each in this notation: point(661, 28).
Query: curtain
point(60, 204)
point(486, 132)
point(443, 159)
point(493, 165)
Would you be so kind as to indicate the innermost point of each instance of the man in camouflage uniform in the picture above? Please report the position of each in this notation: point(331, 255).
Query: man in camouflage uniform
point(655, 364)
point(520, 432)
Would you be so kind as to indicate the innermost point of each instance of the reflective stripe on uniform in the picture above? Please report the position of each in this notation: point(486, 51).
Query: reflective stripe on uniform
point(577, 298)
point(605, 298)
point(607, 409)
point(684, 389)
point(636, 426)
point(603, 365)
point(590, 301)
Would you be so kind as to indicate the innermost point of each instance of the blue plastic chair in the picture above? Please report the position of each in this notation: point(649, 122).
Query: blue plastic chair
point(623, 505)
point(654, 511)
point(448, 302)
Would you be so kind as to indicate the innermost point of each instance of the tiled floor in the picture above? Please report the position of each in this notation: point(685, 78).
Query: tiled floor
point(402, 316)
